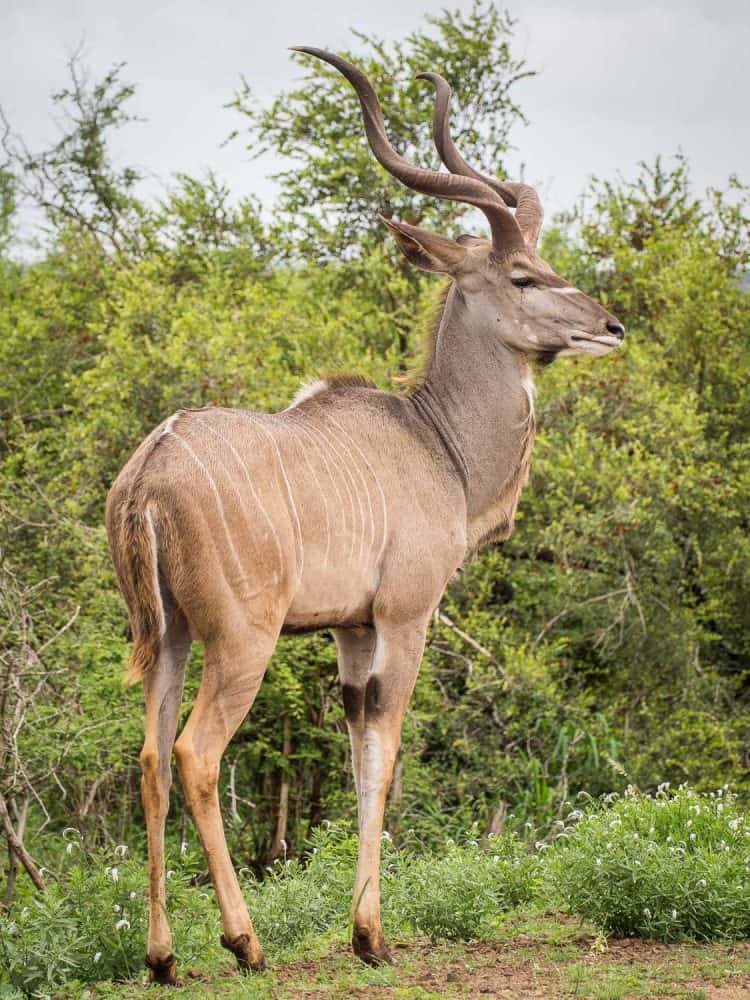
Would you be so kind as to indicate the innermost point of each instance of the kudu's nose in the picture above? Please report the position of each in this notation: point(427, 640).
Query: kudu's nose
point(616, 329)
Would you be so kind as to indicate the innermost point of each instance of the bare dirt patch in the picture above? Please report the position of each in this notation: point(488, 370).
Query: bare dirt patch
point(579, 965)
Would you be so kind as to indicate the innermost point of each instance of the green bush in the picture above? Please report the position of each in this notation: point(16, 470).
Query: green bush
point(456, 895)
point(670, 866)
point(298, 899)
point(459, 895)
point(91, 923)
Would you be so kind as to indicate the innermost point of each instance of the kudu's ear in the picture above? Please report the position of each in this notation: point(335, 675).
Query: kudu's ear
point(427, 250)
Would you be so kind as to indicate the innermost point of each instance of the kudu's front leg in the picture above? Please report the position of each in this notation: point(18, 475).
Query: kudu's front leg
point(381, 699)
point(355, 648)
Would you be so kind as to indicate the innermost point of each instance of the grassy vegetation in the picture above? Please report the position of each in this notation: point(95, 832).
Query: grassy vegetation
point(663, 868)
point(666, 867)
point(606, 643)
point(530, 954)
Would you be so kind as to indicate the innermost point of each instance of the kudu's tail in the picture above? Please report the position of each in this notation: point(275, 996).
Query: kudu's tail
point(134, 547)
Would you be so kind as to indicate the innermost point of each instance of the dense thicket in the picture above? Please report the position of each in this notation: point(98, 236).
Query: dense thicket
point(606, 642)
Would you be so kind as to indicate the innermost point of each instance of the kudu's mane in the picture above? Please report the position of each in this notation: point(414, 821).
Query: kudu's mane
point(417, 366)
point(427, 338)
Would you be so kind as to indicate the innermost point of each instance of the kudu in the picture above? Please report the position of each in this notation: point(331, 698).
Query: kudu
point(348, 511)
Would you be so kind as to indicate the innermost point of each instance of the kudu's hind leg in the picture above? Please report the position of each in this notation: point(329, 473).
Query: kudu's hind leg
point(384, 696)
point(162, 688)
point(234, 669)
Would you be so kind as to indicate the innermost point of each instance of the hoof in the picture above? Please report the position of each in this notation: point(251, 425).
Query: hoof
point(163, 970)
point(372, 950)
point(249, 959)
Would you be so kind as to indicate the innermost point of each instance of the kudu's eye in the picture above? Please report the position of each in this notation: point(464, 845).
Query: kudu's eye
point(523, 281)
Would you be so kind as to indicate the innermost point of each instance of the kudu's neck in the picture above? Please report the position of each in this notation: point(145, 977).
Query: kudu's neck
point(479, 393)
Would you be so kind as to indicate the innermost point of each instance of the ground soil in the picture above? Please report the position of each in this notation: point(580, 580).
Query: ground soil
point(526, 968)
point(540, 957)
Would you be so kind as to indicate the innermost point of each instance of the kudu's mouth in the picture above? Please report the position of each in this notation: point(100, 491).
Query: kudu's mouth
point(601, 343)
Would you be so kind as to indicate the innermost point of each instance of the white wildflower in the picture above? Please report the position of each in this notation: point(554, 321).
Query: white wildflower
point(97, 956)
point(122, 925)
point(646, 913)
point(170, 873)
point(674, 914)
point(133, 894)
point(702, 882)
point(692, 836)
point(121, 850)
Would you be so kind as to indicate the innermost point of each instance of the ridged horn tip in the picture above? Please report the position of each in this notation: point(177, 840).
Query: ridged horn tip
point(310, 50)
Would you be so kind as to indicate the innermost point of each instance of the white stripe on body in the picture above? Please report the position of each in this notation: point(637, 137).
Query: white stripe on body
point(348, 466)
point(527, 384)
point(250, 483)
point(169, 423)
point(298, 527)
point(217, 498)
point(315, 436)
point(347, 479)
point(300, 426)
point(325, 502)
point(157, 588)
point(377, 483)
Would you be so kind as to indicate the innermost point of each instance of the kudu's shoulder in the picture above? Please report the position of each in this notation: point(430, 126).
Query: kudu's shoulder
point(357, 400)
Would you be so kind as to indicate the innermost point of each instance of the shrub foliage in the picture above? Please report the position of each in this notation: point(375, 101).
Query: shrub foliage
point(609, 638)
point(667, 866)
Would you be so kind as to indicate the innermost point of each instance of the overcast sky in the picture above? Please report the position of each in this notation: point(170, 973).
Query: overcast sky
point(618, 81)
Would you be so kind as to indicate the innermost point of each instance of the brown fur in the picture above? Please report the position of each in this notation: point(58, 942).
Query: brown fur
point(136, 577)
point(348, 380)
point(426, 337)
point(349, 510)
point(136, 568)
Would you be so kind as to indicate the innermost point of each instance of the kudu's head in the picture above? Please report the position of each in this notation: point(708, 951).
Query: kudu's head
point(503, 282)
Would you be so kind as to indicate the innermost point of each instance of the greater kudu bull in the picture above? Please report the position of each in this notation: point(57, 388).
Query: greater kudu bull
point(350, 511)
